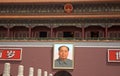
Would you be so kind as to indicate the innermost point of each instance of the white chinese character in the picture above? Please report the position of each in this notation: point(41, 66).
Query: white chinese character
point(10, 54)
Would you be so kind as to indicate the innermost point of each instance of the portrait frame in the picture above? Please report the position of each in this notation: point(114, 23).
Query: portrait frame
point(70, 55)
point(113, 55)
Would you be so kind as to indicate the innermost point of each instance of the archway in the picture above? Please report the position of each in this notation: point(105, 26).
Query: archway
point(62, 73)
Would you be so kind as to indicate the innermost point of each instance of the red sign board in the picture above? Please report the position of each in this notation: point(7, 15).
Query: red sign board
point(10, 53)
point(113, 55)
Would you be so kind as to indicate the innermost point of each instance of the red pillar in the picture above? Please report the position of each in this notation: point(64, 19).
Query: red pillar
point(29, 31)
point(83, 32)
point(106, 31)
point(8, 32)
point(51, 31)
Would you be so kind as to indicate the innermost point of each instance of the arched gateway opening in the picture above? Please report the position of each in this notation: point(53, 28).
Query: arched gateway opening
point(62, 73)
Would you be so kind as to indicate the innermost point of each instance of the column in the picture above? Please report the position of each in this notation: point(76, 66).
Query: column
point(8, 32)
point(106, 31)
point(6, 71)
point(51, 31)
point(29, 31)
point(83, 32)
point(31, 71)
point(45, 73)
point(39, 72)
point(20, 70)
point(50, 74)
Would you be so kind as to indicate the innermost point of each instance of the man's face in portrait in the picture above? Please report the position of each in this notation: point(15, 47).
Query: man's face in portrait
point(63, 52)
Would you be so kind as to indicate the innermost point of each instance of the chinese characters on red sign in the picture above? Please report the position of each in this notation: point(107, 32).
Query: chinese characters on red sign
point(10, 53)
point(113, 55)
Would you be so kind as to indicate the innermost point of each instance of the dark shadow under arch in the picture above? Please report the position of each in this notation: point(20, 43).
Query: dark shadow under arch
point(62, 73)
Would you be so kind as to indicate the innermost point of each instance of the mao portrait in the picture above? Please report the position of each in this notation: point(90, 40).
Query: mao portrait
point(63, 56)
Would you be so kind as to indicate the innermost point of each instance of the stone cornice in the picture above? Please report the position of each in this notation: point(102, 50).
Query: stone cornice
point(57, 16)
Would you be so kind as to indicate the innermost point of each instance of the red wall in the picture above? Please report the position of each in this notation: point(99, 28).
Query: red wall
point(88, 62)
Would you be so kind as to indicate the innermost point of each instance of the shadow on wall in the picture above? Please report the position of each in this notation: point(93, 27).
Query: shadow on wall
point(62, 73)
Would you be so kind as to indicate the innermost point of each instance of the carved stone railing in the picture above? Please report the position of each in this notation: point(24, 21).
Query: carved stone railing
point(58, 39)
